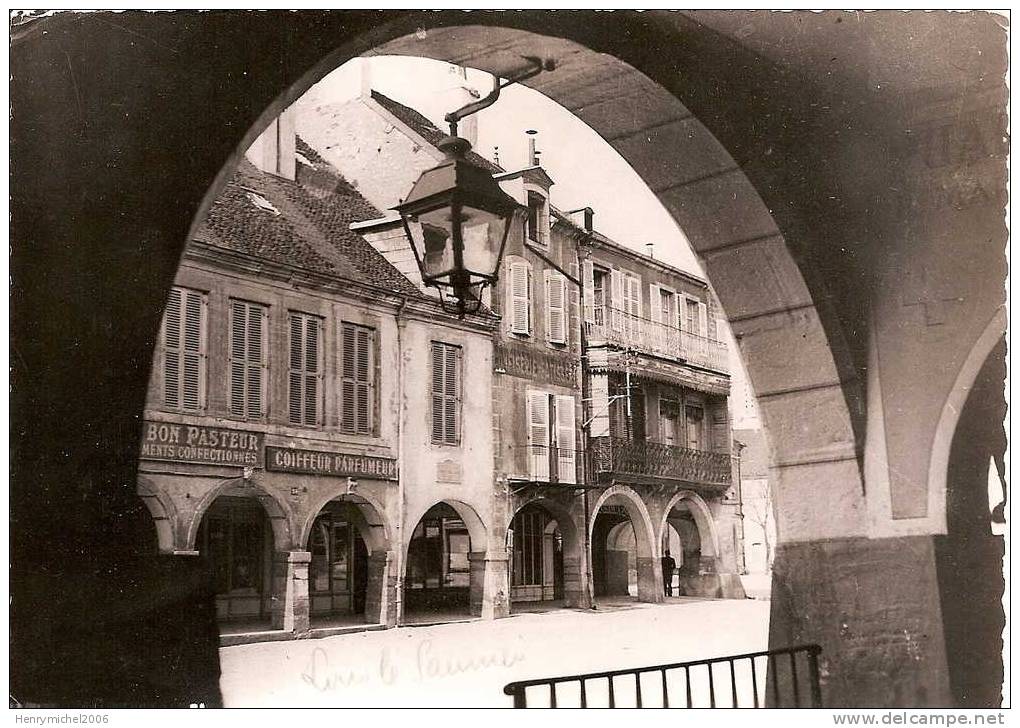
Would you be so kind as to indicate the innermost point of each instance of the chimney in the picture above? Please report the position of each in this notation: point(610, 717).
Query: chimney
point(651, 249)
point(274, 149)
point(585, 217)
point(532, 153)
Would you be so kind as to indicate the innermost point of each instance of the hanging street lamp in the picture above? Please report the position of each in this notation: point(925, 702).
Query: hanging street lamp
point(458, 219)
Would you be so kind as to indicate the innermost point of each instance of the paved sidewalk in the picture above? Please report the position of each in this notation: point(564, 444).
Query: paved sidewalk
point(467, 664)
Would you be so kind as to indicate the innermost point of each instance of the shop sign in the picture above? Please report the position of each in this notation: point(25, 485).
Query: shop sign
point(519, 360)
point(313, 462)
point(201, 444)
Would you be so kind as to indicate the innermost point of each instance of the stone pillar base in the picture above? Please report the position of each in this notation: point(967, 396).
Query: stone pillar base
point(649, 580)
point(873, 606)
point(490, 584)
point(290, 591)
point(381, 596)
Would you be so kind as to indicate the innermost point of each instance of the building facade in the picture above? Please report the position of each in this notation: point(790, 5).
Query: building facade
point(610, 423)
point(305, 426)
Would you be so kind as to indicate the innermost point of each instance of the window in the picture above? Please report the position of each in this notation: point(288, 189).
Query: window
point(519, 297)
point(446, 393)
point(696, 318)
point(599, 285)
point(305, 368)
point(537, 222)
point(551, 437)
point(184, 357)
point(695, 415)
point(247, 358)
point(669, 421)
point(528, 540)
point(555, 308)
point(357, 379)
point(626, 302)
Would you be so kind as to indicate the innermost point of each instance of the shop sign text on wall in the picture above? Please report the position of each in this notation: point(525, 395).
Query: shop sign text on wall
point(520, 361)
point(201, 444)
point(313, 462)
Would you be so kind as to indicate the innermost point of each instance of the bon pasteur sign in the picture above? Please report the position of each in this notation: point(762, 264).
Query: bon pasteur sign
point(201, 444)
point(313, 462)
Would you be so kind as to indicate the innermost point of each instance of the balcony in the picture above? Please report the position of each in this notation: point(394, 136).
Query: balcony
point(618, 456)
point(628, 331)
point(552, 464)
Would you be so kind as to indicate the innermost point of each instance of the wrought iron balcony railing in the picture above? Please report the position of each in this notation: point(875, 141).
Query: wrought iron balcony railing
point(654, 459)
point(619, 328)
point(552, 464)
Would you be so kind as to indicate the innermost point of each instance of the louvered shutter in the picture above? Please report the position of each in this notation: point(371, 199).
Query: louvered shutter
point(357, 379)
point(618, 304)
point(565, 440)
point(720, 428)
point(171, 348)
point(702, 319)
point(599, 392)
point(588, 281)
point(295, 394)
point(634, 284)
point(305, 368)
point(520, 298)
point(555, 308)
point(655, 313)
point(246, 358)
point(446, 393)
point(538, 435)
point(451, 383)
point(438, 401)
point(348, 385)
point(184, 350)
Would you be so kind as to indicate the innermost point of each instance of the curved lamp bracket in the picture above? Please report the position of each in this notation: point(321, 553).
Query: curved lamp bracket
point(535, 66)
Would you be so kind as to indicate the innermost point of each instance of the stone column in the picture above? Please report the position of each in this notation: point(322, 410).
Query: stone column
point(381, 596)
point(490, 584)
point(574, 592)
point(290, 591)
point(649, 580)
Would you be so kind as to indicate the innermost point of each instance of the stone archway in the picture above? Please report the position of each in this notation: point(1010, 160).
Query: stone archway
point(280, 517)
point(164, 515)
point(571, 549)
point(126, 249)
point(649, 578)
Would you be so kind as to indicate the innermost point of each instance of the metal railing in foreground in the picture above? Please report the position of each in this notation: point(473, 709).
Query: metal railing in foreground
point(734, 681)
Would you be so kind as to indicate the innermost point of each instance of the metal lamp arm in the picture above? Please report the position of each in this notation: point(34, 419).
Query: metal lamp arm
point(535, 66)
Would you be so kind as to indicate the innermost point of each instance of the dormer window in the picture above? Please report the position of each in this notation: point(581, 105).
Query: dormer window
point(537, 224)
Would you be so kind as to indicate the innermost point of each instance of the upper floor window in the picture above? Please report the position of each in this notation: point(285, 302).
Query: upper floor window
point(446, 393)
point(519, 297)
point(537, 223)
point(305, 369)
point(184, 350)
point(695, 317)
point(248, 355)
point(551, 437)
point(555, 308)
point(626, 301)
point(357, 379)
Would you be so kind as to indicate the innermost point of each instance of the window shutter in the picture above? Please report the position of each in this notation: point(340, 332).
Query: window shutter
point(565, 439)
point(520, 298)
point(191, 396)
point(618, 304)
point(247, 358)
point(655, 303)
point(184, 350)
point(446, 393)
point(348, 385)
point(171, 346)
point(634, 284)
point(538, 434)
point(258, 319)
point(365, 371)
point(588, 281)
point(599, 426)
point(438, 401)
point(311, 371)
point(555, 308)
point(296, 378)
point(702, 319)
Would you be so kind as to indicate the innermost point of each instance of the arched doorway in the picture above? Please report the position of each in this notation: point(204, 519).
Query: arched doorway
point(437, 571)
point(338, 569)
point(624, 557)
point(969, 556)
point(235, 539)
point(545, 558)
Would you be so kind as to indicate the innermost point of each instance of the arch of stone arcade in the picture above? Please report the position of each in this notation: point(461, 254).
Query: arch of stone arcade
point(857, 290)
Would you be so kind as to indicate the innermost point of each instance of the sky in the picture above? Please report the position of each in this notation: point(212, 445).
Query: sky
point(586, 171)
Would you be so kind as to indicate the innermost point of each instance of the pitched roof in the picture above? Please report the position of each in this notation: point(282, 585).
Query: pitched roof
point(304, 223)
point(426, 129)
